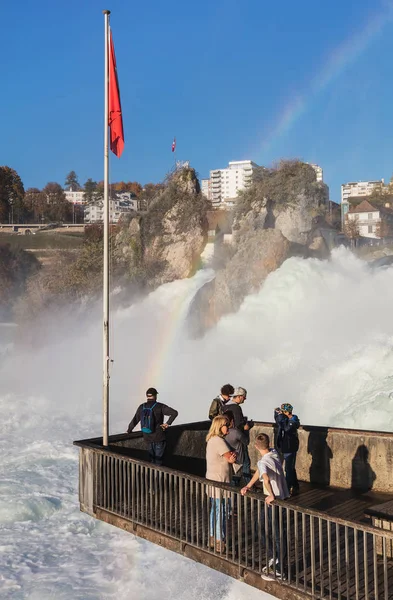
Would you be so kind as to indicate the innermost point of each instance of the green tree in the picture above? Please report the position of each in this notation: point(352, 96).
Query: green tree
point(11, 196)
point(59, 209)
point(89, 187)
point(71, 182)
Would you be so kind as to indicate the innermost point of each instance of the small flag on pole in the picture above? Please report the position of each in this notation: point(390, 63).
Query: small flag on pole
point(174, 144)
point(115, 119)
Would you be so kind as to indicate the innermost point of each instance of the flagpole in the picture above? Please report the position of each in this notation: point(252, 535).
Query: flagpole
point(105, 390)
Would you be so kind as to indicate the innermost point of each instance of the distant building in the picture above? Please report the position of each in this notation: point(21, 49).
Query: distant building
point(318, 170)
point(369, 221)
point(124, 203)
point(75, 197)
point(225, 184)
point(355, 191)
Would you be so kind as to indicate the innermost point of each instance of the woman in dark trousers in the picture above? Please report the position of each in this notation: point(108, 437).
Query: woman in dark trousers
point(287, 443)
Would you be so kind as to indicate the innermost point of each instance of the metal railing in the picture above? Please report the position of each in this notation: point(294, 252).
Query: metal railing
point(322, 556)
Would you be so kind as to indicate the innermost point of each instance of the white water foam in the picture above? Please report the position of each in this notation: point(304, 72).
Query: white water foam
point(318, 334)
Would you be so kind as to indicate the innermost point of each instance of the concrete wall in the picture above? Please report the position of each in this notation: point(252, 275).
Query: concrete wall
point(344, 458)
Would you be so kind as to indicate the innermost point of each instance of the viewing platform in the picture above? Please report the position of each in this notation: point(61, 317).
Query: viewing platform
point(337, 530)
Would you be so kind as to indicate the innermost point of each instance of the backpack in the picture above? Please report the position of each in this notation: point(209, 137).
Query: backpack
point(148, 421)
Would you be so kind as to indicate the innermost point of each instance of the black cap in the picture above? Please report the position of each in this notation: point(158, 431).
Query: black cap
point(151, 392)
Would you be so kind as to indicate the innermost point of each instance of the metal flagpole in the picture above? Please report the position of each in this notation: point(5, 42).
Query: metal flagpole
point(105, 390)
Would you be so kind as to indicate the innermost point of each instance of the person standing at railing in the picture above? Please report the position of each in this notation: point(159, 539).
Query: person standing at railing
point(218, 405)
point(287, 443)
point(237, 440)
point(151, 415)
point(241, 423)
point(219, 459)
point(271, 473)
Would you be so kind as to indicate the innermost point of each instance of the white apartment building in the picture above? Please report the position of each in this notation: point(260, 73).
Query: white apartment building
point(226, 183)
point(75, 197)
point(358, 189)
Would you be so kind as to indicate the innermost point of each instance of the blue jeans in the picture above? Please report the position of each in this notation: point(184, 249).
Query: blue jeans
point(156, 452)
point(217, 521)
point(274, 533)
point(290, 470)
point(246, 466)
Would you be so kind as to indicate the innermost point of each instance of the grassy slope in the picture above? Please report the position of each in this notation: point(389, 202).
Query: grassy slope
point(42, 241)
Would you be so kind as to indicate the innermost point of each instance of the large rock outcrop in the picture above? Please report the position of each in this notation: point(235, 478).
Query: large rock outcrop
point(274, 219)
point(258, 253)
point(165, 243)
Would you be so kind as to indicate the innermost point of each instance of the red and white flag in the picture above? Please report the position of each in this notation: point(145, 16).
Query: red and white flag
point(115, 119)
point(174, 144)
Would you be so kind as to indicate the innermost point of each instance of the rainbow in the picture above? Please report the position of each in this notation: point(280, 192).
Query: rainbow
point(342, 56)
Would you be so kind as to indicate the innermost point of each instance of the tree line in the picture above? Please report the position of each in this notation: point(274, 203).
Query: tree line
point(50, 204)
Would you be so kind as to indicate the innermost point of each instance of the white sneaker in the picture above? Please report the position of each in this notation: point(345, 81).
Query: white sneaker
point(268, 572)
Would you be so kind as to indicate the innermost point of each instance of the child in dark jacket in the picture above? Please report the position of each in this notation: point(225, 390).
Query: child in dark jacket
point(287, 443)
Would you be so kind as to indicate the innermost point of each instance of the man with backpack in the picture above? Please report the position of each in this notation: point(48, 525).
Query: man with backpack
point(151, 416)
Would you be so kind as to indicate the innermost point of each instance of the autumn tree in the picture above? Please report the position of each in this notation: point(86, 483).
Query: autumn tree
point(71, 182)
point(36, 204)
point(149, 192)
point(11, 195)
point(383, 228)
point(351, 228)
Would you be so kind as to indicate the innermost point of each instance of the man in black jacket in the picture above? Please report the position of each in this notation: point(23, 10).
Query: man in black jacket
point(151, 415)
point(241, 423)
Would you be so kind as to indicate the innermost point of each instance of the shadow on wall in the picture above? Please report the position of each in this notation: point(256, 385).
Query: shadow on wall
point(321, 455)
point(363, 476)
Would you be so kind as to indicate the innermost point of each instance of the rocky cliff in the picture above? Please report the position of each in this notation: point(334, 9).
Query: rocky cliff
point(276, 218)
point(165, 243)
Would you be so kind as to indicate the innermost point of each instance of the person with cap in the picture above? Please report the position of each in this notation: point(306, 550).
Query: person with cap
point(287, 443)
point(241, 423)
point(151, 415)
point(218, 405)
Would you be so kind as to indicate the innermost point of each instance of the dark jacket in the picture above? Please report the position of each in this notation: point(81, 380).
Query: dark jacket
point(159, 411)
point(217, 407)
point(238, 416)
point(237, 440)
point(287, 439)
point(239, 419)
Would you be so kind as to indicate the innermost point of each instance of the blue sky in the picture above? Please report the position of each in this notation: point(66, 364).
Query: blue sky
point(231, 79)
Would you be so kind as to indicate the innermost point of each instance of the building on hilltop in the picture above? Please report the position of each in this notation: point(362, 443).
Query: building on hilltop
point(318, 171)
point(367, 220)
point(224, 184)
point(354, 192)
point(75, 196)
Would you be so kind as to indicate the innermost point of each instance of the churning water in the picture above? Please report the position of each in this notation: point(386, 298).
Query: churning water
point(318, 334)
